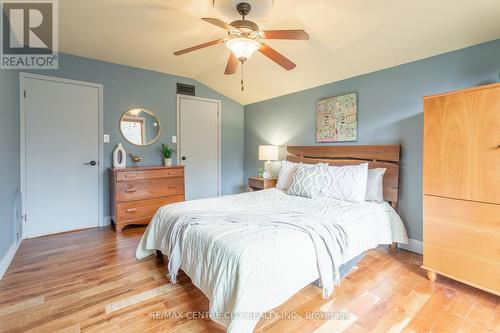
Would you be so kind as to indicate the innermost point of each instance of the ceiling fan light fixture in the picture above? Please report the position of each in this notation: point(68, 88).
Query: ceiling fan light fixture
point(242, 48)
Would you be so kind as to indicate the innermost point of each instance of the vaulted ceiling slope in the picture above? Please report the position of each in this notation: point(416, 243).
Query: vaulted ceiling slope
point(348, 38)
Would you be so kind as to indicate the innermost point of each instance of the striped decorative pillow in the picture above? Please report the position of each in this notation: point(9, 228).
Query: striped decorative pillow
point(307, 181)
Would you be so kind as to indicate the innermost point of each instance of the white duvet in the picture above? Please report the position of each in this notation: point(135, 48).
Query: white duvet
point(247, 270)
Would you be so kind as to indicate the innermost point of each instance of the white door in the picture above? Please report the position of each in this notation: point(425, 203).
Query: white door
point(61, 156)
point(198, 145)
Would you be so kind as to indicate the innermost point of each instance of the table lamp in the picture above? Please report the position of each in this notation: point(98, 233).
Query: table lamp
point(268, 153)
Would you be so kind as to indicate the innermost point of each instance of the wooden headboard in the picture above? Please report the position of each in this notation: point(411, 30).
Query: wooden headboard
point(377, 156)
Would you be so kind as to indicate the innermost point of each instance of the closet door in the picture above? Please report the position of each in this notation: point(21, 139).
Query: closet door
point(198, 145)
point(61, 154)
point(462, 145)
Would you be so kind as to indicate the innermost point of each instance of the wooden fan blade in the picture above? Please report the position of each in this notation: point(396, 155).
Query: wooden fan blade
point(284, 34)
point(200, 46)
point(276, 57)
point(219, 23)
point(232, 64)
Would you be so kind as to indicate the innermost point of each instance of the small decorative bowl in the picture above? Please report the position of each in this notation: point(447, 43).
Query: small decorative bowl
point(135, 158)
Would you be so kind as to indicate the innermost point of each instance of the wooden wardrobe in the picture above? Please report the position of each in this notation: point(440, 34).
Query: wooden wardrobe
point(462, 186)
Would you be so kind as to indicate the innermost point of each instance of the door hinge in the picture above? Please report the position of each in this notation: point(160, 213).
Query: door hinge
point(25, 94)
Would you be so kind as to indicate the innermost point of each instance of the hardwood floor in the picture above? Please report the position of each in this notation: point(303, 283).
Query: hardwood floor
point(90, 281)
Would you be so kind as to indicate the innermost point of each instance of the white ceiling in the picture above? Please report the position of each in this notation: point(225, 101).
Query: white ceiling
point(348, 38)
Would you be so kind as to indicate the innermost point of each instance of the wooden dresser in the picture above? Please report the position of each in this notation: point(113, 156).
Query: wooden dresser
point(462, 186)
point(137, 193)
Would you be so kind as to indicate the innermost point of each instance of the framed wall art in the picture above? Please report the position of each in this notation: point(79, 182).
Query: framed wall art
point(337, 119)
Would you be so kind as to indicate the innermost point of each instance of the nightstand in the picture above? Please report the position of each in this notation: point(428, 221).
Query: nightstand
point(257, 183)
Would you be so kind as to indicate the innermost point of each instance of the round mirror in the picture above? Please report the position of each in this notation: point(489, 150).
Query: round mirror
point(140, 126)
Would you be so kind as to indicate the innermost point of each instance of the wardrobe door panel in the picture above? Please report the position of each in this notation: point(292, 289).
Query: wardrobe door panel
point(462, 145)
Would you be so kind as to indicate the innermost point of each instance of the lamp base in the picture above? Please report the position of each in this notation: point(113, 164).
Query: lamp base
point(268, 170)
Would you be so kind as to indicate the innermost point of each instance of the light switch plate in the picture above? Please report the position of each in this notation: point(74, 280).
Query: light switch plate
point(174, 139)
point(106, 138)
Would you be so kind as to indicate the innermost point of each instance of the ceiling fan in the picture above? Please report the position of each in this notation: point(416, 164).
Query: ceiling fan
point(244, 38)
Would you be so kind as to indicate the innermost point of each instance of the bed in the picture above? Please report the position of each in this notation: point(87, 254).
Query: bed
point(247, 270)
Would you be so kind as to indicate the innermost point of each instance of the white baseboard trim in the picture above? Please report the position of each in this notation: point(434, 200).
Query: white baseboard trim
point(415, 245)
point(7, 259)
point(106, 221)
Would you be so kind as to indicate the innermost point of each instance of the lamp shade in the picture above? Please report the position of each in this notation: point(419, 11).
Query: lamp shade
point(242, 48)
point(268, 153)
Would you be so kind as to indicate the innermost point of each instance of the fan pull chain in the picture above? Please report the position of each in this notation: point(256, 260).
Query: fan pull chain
point(242, 85)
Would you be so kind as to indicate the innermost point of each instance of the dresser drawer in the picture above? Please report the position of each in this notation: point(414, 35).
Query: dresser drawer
point(143, 208)
point(149, 174)
point(481, 216)
point(470, 227)
point(475, 242)
point(149, 188)
point(459, 265)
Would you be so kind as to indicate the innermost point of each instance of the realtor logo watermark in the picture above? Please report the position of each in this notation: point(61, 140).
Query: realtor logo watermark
point(29, 34)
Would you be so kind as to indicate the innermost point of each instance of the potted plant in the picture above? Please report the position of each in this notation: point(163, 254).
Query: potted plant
point(260, 172)
point(167, 153)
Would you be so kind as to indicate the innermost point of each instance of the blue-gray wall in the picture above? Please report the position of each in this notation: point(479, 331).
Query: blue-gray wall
point(9, 152)
point(389, 112)
point(124, 87)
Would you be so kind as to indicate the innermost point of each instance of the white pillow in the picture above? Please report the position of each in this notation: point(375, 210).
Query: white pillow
point(285, 176)
point(308, 180)
point(347, 183)
point(375, 186)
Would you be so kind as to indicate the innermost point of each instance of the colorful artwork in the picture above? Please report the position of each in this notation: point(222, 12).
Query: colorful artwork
point(336, 119)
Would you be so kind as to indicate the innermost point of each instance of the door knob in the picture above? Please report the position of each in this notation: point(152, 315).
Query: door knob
point(91, 163)
point(183, 158)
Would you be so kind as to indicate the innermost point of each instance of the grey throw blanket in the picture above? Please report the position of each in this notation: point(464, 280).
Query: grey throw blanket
point(329, 239)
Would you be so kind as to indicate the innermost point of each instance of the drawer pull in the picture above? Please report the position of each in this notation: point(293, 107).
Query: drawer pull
point(131, 190)
point(171, 187)
point(131, 210)
point(130, 175)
